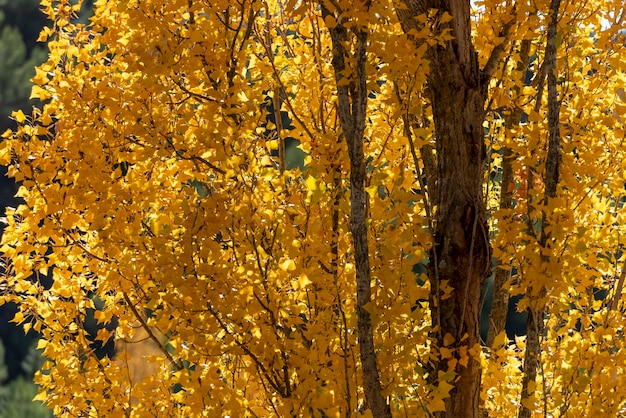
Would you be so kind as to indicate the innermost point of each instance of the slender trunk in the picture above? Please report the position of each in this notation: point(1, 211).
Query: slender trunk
point(534, 330)
point(500, 306)
point(536, 309)
point(352, 104)
point(500, 301)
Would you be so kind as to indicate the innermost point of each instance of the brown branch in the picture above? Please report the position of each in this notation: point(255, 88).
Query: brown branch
point(494, 59)
point(148, 330)
point(423, 187)
point(193, 158)
point(352, 110)
point(344, 341)
point(267, 45)
point(276, 93)
point(279, 129)
point(260, 366)
point(497, 316)
point(551, 178)
point(613, 305)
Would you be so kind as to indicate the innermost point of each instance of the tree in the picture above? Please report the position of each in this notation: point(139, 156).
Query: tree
point(446, 135)
point(20, 55)
point(16, 396)
point(17, 65)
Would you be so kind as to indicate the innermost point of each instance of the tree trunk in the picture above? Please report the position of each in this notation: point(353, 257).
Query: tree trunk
point(536, 309)
point(352, 107)
point(500, 305)
point(461, 257)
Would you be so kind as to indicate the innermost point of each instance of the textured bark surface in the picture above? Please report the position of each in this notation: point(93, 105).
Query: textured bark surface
point(461, 257)
point(352, 103)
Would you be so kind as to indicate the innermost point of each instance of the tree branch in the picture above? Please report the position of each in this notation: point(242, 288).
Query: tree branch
point(352, 109)
point(494, 59)
point(535, 324)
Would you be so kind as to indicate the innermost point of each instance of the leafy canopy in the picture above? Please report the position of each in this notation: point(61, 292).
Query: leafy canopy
point(156, 197)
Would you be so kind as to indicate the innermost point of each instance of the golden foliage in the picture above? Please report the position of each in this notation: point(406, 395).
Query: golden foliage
point(152, 181)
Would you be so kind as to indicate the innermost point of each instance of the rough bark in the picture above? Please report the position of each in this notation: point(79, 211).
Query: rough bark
point(461, 254)
point(352, 103)
point(536, 309)
point(461, 257)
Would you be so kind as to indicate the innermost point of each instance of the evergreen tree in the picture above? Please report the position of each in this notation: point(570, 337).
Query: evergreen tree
point(16, 397)
point(20, 24)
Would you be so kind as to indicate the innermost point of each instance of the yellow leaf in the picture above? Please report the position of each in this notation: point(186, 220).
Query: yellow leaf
point(266, 161)
point(261, 251)
point(445, 18)
point(40, 396)
point(242, 97)
point(18, 116)
point(444, 388)
point(18, 318)
point(303, 281)
point(445, 352)
point(44, 34)
point(5, 153)
point(500, 339)
point(39, 93)
point(41, 77)
point(311, 183)
point(330, 21)
point(288, 265)
point(528, 403)
point(436, 404)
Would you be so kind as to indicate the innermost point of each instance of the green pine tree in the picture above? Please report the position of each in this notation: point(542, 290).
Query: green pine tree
point(16, 397)
point(20, 23)
point(17, 67)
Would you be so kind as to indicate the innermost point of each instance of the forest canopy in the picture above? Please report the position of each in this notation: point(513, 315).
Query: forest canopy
point(449, 147)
